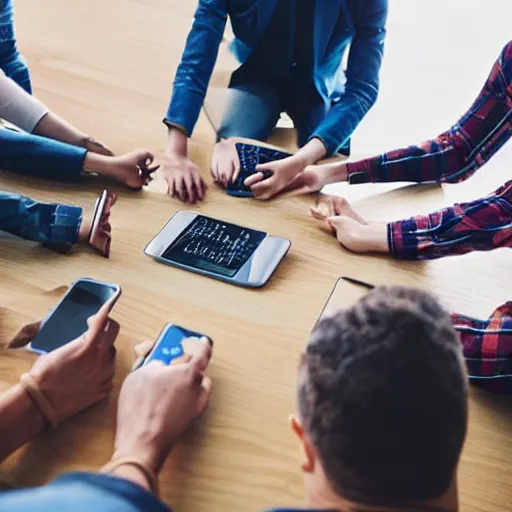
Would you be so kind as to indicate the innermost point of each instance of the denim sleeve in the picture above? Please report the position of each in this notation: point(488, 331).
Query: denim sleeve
point(51, 224)
point(83, 492)
point(25, 153)
point(11, 62)
point(196, 67)
point(362, 86)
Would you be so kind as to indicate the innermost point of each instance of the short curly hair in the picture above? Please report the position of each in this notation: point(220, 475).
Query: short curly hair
point(383, 397)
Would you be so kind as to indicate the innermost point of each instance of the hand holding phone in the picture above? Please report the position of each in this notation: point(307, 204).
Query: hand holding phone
point(69, 319)
point(80, 373)
point(173, 343)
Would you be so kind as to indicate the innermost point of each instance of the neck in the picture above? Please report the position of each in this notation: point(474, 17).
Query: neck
point(325, 498)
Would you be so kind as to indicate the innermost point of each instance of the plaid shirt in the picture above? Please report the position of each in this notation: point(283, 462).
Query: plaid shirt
point(480, 225)
point(456, 154)
point(488, 348)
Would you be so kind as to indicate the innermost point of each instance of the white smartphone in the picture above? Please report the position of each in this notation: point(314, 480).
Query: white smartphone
point(218, 249)
point(68, 319)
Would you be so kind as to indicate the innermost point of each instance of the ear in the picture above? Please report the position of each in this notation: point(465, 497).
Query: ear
point(307, 463)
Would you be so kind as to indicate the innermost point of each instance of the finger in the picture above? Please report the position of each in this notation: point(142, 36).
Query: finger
point(316, 213)
point(253, 179)
point(226, 172)
point(214, 168)
point(201, 359)
point(97, 322)
point(150, 169)
point(184, 359)
point(181, 190)
point(236, 166)
point(189, 185)
point(206, 393)
point(200, 185)
point(144, 348)
point(107, 338)
point(171, 186)
point(26, 334)
point(269, 166)
point(263, 189)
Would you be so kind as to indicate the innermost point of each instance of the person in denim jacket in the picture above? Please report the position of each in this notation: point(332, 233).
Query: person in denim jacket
point(291, 60)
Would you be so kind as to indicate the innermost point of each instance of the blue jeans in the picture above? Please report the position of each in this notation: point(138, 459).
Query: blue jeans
point(54, 225)
point(11, 61)
point(255, 109)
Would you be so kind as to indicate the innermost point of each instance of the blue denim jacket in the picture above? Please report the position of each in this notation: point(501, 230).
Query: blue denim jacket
point(338, 24)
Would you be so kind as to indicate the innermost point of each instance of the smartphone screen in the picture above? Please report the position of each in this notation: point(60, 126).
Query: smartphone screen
point(214, 246)
point(169, 344)
point(69, 320)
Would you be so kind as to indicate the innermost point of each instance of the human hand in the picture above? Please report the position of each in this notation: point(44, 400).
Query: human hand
point(133, 169)
point(183, 177)
point(315, 177)
point(80, 373)
point(167, 400)
point(225, 165)
point(273, 177)
point(95, 146)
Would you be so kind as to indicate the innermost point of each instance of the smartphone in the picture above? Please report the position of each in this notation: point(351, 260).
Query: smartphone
point(250, 156)
point(343, 295)
point(218, 249)
point(68, 320)
point(169, 345)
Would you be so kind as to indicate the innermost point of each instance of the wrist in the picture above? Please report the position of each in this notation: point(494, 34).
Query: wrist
point(32, 416)
point(96, 163)
point(311, 153)
point(177, 143)
point(134, 470)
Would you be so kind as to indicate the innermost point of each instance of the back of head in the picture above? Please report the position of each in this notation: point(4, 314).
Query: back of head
point(383, 398)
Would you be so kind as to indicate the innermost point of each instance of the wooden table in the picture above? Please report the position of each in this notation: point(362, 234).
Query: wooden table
point(241, 453)
point(241, 456)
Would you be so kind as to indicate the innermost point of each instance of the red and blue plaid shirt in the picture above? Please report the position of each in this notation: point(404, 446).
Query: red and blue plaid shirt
point(455, 155)
point(487, 348)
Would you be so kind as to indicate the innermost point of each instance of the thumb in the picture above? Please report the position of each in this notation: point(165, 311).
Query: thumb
point(25, 335)
point(334, 222)
point(201, 358)
point(317, 213)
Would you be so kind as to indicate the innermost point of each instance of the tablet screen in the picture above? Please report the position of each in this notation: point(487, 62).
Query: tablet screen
point(214, 246)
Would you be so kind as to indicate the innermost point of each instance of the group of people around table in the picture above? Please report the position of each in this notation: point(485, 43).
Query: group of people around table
point(382, 386)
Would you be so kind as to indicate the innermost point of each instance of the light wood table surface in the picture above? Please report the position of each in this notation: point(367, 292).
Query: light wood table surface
point(240, 456)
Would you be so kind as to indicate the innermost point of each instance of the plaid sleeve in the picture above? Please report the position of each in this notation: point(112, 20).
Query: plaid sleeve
point(487, 348)
point(480, 225)
point(456, 154)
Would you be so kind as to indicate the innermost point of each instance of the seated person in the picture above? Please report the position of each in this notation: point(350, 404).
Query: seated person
point(452, 157)
point(291, 60)
point(382, 417)
point(59, 384)
point(51, 148)
point(57, 226)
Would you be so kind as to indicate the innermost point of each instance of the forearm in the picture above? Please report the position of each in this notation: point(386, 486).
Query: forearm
point(39, 222)
point(37, 156)
point(177, 143)
point(54, 127)
point(20, 420)
point(480, 225)
point(311, 153)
